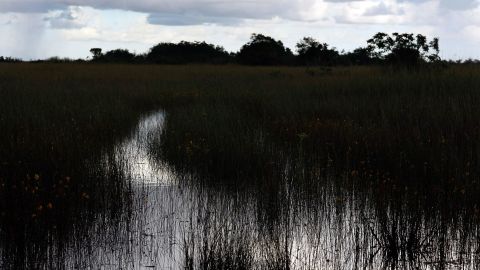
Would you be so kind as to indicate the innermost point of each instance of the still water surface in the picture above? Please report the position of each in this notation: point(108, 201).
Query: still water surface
point(329, 225)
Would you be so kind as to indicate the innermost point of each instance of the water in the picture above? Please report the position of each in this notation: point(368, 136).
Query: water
point(179, 225)
point(133, 155)
point(177, 220)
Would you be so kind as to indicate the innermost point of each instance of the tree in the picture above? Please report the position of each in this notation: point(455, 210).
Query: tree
point(404, 48)
point(360, 56)
point(264, 50)
point(96, 53)
point(186, 52)
point(435, 46)
point(118, 55)
point(10, 59)
point(312, 52)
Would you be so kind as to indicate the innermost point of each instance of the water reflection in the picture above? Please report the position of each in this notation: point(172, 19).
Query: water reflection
point(133, 153)
point(332, 224)
point(297, 218)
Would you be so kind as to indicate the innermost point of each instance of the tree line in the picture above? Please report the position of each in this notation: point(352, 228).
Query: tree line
point(394, 49)
point(404, 49)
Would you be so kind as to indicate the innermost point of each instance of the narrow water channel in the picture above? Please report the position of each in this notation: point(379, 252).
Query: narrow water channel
point(133, 155)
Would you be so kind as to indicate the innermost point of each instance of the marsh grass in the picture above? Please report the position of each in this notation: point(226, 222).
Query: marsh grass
point(403, 141)
point(57, 124)
point(278, 168)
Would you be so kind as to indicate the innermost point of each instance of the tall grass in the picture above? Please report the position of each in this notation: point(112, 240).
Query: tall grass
point(278, 168)
point(56, 124)
point(402, 143)
point(369, 122)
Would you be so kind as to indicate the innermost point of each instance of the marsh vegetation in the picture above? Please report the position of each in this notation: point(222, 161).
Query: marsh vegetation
point(229, 167)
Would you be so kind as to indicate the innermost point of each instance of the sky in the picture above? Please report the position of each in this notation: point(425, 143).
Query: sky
point(38, 29)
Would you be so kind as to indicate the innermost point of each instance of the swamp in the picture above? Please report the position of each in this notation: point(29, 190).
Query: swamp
point(111, 166)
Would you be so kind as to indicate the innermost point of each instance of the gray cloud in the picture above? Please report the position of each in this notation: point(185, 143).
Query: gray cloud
point(194, 12)
point(223, 8)
point(450, 4)
point(23, 35)
point(459, 4)
point(172, 12)
point(189, 19)
point(383, 9)
point(380, 9)
point(66, 19)
point(446, 4)
point(30, 6)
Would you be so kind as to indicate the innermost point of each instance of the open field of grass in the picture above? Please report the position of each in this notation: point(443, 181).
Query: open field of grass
point(386, 158)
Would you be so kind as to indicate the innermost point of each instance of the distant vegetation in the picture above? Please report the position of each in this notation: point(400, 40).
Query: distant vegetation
point(405, 49)
point(9, 60)
point(187, 52)
point(395, 49)
point(264, 50)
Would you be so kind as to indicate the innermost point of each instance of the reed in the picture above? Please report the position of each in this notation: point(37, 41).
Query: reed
point(277, 167)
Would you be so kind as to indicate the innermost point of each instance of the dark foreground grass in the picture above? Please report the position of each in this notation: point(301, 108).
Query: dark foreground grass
point(406, 142)
point(56, 123)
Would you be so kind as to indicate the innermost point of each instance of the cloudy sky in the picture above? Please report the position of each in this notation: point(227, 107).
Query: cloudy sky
point(33, 29)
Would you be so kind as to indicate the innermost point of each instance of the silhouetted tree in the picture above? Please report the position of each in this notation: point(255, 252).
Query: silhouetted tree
point(187, 52)
point(118, 55)
point(435, 46)
point(312, 52)
point(10, 59)
point(264, 50)
point(360, 56)
point(96, 53)
point(471, 61)
point(404, 48)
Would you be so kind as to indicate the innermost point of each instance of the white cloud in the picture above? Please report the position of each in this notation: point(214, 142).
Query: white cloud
point(382, 9)
point(473, 32)
point(372, 12)
point(69, 27)
point(71, 17)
